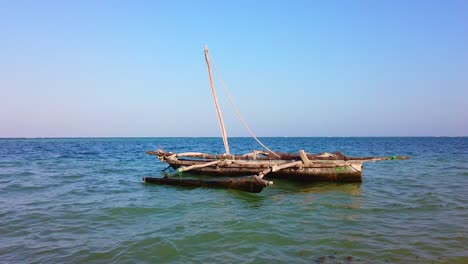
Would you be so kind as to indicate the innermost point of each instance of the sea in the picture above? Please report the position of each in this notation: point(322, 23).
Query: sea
point(82, 200)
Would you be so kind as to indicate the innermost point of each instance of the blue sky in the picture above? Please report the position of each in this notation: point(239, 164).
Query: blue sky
point(294, 68)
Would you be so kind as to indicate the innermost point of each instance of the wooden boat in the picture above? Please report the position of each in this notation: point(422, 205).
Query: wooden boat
point(334, 167)
point(331, 167)
point(304, 166)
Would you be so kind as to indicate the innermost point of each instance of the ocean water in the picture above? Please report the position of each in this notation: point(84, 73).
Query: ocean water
point(82, 201)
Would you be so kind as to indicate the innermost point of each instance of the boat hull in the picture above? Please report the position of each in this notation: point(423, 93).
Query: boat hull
point(319, 173)
point(305, 167)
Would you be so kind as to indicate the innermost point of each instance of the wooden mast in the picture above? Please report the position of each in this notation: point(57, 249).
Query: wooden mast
point(215, 99)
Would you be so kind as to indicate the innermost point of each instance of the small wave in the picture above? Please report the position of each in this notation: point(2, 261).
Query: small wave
point(131, 211)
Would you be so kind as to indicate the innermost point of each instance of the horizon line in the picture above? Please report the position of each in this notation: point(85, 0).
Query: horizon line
point(97, 137)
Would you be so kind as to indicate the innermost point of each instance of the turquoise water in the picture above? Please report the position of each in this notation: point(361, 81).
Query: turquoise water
point(82, 201)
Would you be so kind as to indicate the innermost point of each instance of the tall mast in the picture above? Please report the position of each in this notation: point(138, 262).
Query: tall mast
point(215, 99)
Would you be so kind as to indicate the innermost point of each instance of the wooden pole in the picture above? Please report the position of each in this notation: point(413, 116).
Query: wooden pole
point(252, 184)
point(197, 166)
point(279, 167)
point(215, 99)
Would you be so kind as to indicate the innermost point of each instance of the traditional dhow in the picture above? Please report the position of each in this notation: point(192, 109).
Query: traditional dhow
point(307, 167)
point(251, 168)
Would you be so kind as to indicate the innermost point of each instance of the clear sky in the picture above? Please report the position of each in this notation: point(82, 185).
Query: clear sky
point(294, 68)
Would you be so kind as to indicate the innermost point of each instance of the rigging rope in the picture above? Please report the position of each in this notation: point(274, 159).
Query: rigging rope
point(236, 110)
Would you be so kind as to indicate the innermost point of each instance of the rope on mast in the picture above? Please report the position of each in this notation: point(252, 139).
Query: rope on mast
point(208, 57)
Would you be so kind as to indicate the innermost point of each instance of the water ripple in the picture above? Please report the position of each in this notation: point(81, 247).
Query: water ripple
point(82, 200)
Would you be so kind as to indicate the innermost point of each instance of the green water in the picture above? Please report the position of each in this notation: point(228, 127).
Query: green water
point(82, 201)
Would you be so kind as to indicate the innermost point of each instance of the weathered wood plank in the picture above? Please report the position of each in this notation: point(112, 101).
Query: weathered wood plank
point(252, 184)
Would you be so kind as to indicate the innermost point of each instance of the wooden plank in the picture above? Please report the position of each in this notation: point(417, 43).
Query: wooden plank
point(279, 167)
point(252, 184)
